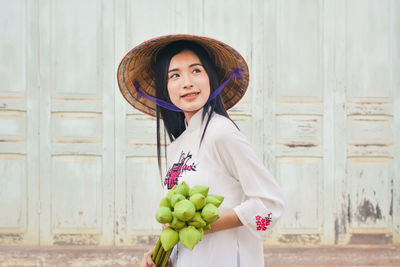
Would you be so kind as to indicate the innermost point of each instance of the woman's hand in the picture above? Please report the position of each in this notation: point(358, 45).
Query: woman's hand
point(146, 260)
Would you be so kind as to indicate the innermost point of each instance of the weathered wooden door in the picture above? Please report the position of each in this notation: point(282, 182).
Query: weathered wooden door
point(76, 122)
point(331, 67)
point(19, 125)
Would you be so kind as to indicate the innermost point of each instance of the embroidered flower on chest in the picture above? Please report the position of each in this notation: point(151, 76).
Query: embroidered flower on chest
point(263, 222)
point(178, 168)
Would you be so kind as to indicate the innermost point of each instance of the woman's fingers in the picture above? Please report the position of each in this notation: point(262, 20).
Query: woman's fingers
point(169, 264)
point(150, 262)
point(146, 260)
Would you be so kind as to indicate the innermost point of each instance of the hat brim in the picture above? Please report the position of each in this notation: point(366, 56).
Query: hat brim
point(138, 65)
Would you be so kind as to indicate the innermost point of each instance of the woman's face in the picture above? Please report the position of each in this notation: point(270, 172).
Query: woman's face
point(188, 84)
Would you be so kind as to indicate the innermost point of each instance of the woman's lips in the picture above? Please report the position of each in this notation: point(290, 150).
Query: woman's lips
point(190, 96)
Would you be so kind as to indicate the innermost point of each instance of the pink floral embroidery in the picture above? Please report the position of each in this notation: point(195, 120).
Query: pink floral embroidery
point(262, 223)
point(178, 168)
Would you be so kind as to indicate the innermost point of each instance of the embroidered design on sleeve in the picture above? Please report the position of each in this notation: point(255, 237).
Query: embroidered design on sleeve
point(177, 169)
point(262, 223)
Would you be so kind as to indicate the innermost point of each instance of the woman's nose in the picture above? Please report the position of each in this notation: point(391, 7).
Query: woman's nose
point(187, 81)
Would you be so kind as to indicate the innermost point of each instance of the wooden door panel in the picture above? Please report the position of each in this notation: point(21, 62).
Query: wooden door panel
point(369, 178)
point(368, 60)
point(299, 121)
point(299, 50)
point(369, 208)
point(301, 179)
point(13, 194)
point(19, 179)
point(77, 126)
point(76, 193)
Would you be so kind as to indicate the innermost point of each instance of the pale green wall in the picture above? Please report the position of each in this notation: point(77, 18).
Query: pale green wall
point(78, 166)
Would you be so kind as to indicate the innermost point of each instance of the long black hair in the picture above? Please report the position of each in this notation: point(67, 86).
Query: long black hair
point(174, 121)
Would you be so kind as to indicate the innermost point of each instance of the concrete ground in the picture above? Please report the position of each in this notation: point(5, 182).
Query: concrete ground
point(361, 255)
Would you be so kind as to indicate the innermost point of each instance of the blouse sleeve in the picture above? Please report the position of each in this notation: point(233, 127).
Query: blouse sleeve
point(264, 200)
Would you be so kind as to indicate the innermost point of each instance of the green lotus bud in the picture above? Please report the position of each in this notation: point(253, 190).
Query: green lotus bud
point(207, 227)
point(220, 198)
point(198, 200)
point(176, 198)
point(213, 200)
point(201, 230)
point(164, 215)
point(210, 213)
point(189, 237)
point(197, 221)
point(182, 189)
point(176, 223)
point(199, 189)
point(165, 202)
point(171, 193)
point(169, 238)
point(184, 210)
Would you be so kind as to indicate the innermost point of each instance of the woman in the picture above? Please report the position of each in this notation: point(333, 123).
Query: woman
point(189, 82)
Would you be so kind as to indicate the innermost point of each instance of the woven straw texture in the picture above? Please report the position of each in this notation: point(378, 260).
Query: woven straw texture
point(138, 65)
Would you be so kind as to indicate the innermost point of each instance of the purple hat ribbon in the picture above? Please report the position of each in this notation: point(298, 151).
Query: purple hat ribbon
point(237, 73)
point(156, 101)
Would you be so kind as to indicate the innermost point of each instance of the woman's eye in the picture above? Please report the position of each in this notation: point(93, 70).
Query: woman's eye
point(175, 75)
point(196, 70)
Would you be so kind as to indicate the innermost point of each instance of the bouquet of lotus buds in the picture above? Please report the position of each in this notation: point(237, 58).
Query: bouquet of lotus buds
point(189, 212)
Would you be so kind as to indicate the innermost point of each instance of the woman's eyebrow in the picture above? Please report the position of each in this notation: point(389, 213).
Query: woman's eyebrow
point(195, 64)
point(176, 69)
point(190, 66)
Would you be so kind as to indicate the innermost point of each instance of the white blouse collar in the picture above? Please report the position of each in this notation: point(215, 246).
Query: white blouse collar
point(196, 121)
